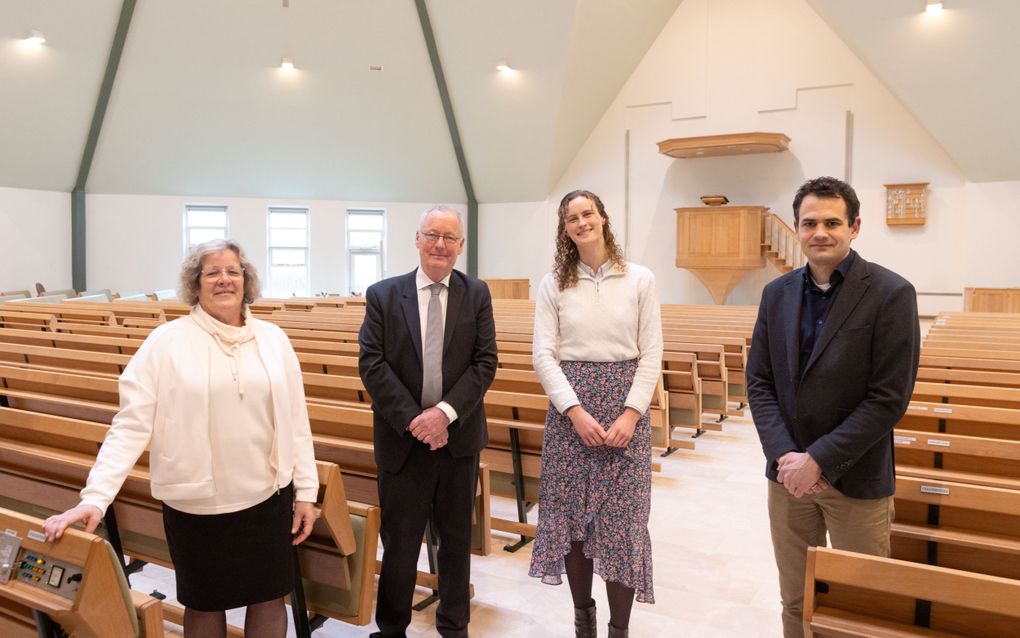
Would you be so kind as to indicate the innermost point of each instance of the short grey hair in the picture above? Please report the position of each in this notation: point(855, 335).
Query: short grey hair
point(442, 208)
point(191, 270)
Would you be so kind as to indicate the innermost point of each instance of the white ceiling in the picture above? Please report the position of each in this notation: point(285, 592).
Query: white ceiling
point(957, 72)
point(201, 107)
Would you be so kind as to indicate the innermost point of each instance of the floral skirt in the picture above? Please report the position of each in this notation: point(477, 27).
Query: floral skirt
point(597, 495)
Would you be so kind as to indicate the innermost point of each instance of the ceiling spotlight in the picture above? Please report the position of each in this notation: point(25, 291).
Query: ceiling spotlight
point(504, 67)
point(933, 8)
point(36, 37)
point(287, 64)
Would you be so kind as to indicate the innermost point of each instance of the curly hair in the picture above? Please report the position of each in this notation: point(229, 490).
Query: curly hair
point(567, 257)
point(191, 270)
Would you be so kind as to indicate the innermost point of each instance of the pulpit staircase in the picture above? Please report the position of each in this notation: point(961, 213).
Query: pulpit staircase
point(779, 244)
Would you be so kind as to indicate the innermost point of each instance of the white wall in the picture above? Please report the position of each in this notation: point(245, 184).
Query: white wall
point(36, 243)
point(136, 241)
point(515, 240)
point(728, 66)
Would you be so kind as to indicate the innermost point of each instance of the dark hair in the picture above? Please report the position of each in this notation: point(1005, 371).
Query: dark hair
point(567, 257)
point(828, 187)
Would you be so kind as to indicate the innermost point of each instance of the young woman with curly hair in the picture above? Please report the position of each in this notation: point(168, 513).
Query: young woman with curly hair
point(597, 351)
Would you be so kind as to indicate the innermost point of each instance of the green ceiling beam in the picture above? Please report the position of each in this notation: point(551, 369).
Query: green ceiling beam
point(78, 220)
point(458, 147)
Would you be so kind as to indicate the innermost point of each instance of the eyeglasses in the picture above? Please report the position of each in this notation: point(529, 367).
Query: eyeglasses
point(432, 237)
point(213, 275)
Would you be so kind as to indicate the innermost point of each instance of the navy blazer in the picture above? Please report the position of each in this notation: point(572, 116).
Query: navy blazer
point(390, 363)
point(855, 387)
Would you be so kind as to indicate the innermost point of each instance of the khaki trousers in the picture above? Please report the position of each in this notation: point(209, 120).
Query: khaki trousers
point(853, 524)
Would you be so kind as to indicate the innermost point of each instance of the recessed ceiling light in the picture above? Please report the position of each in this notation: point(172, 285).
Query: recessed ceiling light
point(36, 37)
point(504, 67)
point(287, 64)
point(933, 8)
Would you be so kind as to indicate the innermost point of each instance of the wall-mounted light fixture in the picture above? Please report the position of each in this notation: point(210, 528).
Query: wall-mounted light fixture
point(36, 37)
point(287, 64)
point(504, 67)
point(933, 8)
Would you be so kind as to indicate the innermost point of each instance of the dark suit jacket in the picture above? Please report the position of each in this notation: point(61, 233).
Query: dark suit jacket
point(390, 363)
point(856, 385)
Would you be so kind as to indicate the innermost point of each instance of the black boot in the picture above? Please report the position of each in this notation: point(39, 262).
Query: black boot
point(585, 625)
point(616, 633)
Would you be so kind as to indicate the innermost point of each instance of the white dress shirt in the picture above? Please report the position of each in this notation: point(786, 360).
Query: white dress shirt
point(423, 282)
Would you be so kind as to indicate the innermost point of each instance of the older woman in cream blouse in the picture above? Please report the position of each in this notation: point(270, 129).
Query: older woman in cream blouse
point(218, 397)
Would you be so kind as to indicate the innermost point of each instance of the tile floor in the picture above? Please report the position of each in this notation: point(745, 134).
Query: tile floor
point(714, 573)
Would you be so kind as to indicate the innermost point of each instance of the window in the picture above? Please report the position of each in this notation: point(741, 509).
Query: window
point(288, 253)
point(202, 223)
point(366, 230)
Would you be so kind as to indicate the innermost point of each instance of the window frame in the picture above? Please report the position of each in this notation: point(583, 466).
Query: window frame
point(186, 227)
point(352, 252)
point(306, 211)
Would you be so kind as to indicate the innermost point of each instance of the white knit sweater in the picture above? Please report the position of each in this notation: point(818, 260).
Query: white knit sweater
point(613, 317)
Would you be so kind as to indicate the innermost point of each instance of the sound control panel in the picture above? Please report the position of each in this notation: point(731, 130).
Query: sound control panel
point(44, 572)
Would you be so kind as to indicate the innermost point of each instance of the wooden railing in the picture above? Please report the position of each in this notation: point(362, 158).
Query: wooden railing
point(781, 243)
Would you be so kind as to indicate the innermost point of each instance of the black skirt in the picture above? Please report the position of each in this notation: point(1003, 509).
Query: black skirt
point(226, 561)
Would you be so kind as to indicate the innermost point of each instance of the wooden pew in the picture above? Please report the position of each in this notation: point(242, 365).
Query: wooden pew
point(75, 582)
point(682, 385)
point(24, 320)
point(63, 359)
point(44, 461)
point(91, 343)
point(102, 331)
point(957, 525)
point(67, 312)
point(970, 420)
point(959, 458)
point(967, 394)
point(855, 595)
point(712, 371)
point(951, 375)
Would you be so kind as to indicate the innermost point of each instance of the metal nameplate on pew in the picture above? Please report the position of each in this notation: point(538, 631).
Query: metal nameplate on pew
point(931, 489)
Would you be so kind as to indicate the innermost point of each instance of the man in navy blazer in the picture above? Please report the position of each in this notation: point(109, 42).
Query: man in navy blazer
point(831, 370)
point(427, 455)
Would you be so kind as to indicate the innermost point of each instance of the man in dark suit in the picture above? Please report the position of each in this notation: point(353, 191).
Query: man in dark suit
point(831, 369)
point(428, 354)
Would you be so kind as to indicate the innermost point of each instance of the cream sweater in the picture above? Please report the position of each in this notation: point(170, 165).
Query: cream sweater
point(615, 317)
point(165, 403)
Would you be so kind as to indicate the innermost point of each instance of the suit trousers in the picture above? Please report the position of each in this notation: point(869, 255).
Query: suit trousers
point(853, 524)
point(432, 485)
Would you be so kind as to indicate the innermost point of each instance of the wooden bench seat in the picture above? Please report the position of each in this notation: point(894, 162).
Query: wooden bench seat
point(115, 345)
point(65, 311)
point(24, 320)
point(951, 418)
point(855, 595)
point(983, 525)
point(958, 458)
point(63, 358)
point(968, 377)
point(100, 330)
point(715, 392)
